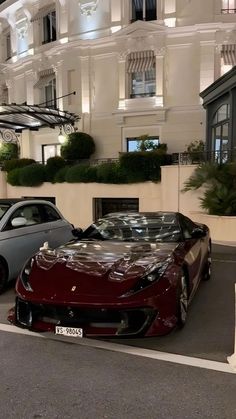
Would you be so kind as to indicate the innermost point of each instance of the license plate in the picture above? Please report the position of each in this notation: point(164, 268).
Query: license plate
point(69, 331)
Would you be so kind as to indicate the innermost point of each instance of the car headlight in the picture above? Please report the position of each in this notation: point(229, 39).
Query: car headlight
point(149, 279)
point(25, 273)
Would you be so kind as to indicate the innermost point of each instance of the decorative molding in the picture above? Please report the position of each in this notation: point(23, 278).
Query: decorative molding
point(9, 136)
point(22, 28)
point(88, 7)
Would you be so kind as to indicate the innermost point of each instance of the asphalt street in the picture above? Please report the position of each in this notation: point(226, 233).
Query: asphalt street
point(48, 378)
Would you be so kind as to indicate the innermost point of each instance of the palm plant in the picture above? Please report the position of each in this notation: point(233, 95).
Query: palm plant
point(219, 196)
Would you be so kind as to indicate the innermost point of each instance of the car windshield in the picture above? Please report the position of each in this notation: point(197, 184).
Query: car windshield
point(3, 209)
point(142, 227)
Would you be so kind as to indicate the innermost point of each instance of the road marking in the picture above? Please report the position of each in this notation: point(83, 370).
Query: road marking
point(146, 353)
point(224, 260)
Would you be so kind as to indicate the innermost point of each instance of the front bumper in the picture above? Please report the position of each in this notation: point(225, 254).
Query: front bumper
point(100, 321)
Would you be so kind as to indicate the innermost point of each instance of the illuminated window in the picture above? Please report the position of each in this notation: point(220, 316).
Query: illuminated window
point(50, 150)
point(49, 94)
point(134, 144)
point(141, 69)
point(47, 87)
point(144, 10)
point(220, 134)
point(228, 6)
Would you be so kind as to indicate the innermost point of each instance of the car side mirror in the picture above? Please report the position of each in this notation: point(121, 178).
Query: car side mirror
point(18, 222)
point(197, 233)
point(77, 232)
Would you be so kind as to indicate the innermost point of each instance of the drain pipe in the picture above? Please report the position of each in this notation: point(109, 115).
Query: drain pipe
point(232, 359)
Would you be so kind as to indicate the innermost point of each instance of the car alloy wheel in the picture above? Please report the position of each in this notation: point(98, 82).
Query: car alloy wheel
point(183, 301)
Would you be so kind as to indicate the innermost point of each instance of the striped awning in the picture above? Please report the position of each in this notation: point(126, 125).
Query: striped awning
point(44, 11)
point(45, 77)
point(140, 61)
point(228, 53)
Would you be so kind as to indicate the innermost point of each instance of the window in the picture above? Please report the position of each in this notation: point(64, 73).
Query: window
point(220, 134)
point(141, 70)
point(228, 57)
point(8, 46)
point(134, 143)
point(4, 94)
point(47, 86)
point(50, 214)
point(30, 212)
point(228, 6)
point(34, 214)
point(50, 150)
point(104, 206)
point(49, 27)
point(49, 94)
point(144, 10)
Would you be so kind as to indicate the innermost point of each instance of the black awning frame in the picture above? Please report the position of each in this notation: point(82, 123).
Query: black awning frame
point(33, 117)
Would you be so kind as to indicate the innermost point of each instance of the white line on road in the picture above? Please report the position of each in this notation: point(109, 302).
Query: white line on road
point(147, 353)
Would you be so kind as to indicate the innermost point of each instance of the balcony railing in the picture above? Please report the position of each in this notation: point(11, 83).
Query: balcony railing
point(228, 11)
point(198, 157)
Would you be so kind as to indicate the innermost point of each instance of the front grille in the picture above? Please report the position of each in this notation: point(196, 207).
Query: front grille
point(126, 322)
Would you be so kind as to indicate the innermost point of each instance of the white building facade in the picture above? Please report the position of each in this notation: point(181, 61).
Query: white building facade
point(137, 67)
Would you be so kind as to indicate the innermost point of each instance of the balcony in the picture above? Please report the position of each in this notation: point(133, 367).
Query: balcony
point(228, 11)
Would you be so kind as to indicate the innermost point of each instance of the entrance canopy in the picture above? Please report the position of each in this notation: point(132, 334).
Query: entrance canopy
point(33, 117)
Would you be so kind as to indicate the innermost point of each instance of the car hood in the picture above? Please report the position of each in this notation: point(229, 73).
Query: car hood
point(119, 260)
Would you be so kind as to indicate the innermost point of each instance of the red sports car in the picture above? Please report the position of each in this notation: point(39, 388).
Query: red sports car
point(128, 274)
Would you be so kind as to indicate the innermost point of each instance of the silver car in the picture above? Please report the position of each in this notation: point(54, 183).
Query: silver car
point(25, 224)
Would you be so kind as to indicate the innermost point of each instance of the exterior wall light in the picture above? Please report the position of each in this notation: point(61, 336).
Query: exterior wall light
point(61, 137)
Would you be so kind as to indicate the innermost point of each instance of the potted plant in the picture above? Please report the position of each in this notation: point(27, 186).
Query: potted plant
point(195, 151)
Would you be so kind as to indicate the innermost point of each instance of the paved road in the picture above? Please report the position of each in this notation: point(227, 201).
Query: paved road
point(44, 378)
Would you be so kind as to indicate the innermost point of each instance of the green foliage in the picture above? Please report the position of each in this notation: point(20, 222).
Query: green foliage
point(146, 144)
point(81, 173)
point(54, 164)
point(202, 175)
point(33, 175)
point(60, 176)
point(13, 177)
point(79, 146)
point(219, 180)
point(8, 151)
point(219, 200)
point(142, 166)
point(196, 151)
point(111, 173)
point(9, 165)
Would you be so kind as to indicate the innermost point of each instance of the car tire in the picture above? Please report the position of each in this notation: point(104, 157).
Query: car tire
point(207, 269)
point(3, 276)
point(183, 300)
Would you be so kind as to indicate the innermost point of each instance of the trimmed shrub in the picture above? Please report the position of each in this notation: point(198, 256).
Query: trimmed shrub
point(13, 177)
point(33, 175)
point(111, 173)
point(79, 146)
point(53, 165)
point(81, 173)
point(9, 165)
point(60, 176)
point(9, 151)
point(144, 166)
